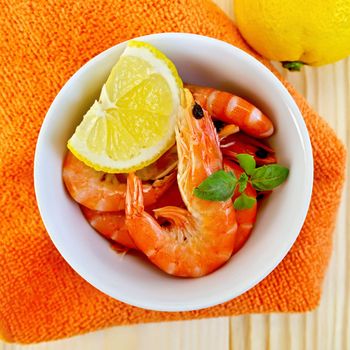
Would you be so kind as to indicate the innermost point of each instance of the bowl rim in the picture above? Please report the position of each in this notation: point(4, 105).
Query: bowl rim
point(225, 295)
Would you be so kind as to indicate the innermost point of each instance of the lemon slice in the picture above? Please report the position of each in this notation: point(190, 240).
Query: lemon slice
point(133, 122)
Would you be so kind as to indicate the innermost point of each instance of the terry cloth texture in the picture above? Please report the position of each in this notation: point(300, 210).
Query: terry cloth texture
point(43, 42)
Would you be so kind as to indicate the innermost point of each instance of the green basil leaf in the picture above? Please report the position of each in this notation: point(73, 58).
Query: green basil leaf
point(219, 186)
point(268, 177)
point(242, 182)
point(244, 202)
point(247, 162)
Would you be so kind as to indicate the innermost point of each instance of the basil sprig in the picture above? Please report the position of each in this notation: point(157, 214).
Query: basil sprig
point(246, 162)
point(221, 185)
point(218, 186)
point(268, 177)
point(244, 202)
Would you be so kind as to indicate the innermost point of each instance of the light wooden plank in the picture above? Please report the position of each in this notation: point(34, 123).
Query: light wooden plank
point(323, 317)
point(310, 330)
point(239, 332)
point(339, 265)
point(278, 332)
point(259, 332)
point(186, 335)
point(296, 331)
point(226, 6)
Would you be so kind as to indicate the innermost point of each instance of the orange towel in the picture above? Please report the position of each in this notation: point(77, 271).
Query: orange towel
point(43, 42)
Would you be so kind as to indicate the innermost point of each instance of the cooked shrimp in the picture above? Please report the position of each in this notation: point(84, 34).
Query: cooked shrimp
point(239, 143)
point(232, 109)
point(111, 224)
point(106, 192)
point(200, 239)
point(245, 217)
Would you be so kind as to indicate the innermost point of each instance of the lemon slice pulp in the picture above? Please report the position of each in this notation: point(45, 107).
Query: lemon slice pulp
point(133, 122)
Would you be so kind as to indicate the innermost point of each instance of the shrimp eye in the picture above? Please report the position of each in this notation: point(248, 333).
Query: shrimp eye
point(261, 153)
point(218, 124)
point(197, 111)
point(260, 196)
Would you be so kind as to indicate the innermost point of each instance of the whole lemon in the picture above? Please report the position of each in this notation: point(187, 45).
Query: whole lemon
point(297, 32)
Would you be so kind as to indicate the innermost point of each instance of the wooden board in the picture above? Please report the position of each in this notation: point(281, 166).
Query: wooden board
point(328, 328)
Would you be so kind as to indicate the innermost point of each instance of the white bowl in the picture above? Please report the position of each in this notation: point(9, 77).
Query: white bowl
point(199, 60)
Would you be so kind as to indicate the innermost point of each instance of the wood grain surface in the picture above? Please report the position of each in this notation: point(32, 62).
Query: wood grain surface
point(328, 328)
